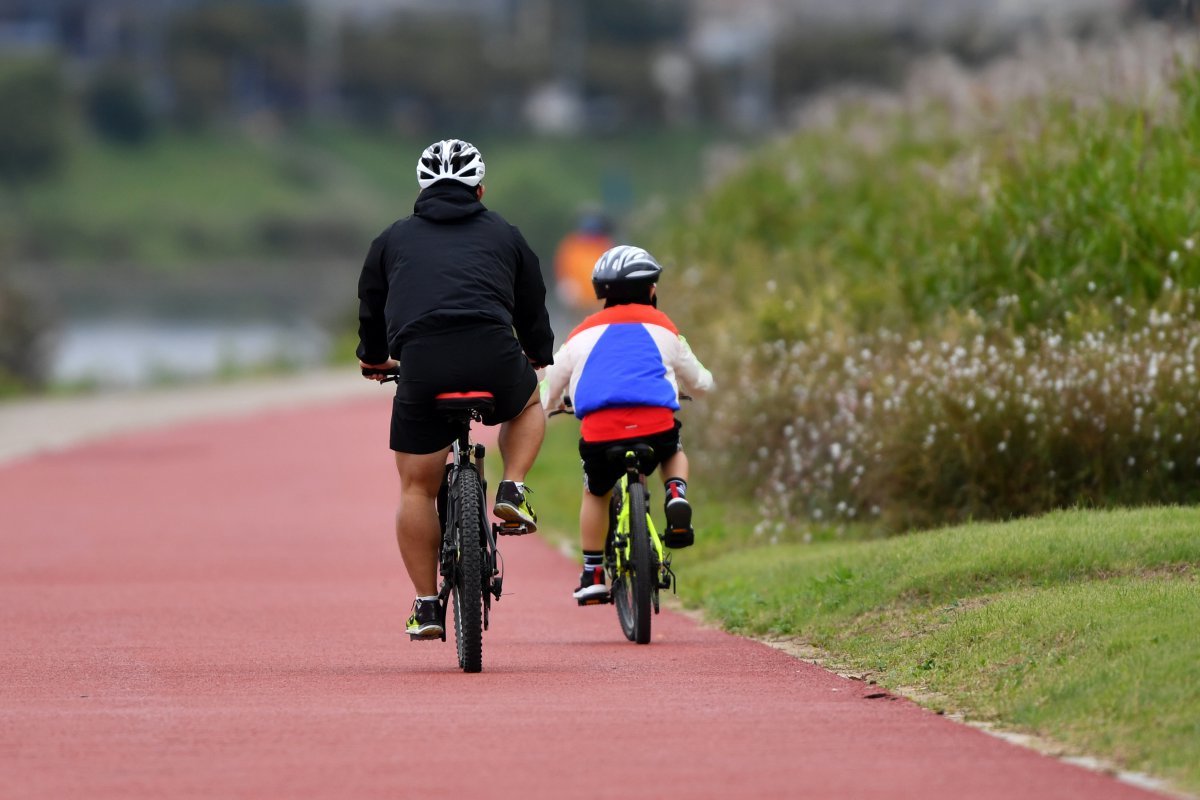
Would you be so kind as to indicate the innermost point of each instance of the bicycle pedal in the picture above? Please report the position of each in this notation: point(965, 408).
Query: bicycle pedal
point(593, 601)
point(416, 637)
point(511, 529)
point(677, 539)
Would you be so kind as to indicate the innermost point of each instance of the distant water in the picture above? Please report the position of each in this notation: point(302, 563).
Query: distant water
point(133, 352)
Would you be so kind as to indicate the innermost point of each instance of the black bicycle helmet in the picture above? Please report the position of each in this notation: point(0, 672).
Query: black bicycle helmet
point(625, 272)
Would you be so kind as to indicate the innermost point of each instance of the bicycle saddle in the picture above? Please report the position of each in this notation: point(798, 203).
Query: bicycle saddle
point(454, 402)
point(616, 453)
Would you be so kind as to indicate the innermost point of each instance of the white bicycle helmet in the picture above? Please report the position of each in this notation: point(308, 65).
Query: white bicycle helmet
point(450, 158)
point(624, 271)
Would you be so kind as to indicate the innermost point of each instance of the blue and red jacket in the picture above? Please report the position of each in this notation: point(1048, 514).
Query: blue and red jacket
point(624, 368)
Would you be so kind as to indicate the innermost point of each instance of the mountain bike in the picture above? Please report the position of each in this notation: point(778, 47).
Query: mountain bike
point(470, 564)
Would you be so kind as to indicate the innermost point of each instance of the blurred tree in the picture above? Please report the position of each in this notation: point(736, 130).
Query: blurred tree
point(636, 22)
point(33, 119)
point(229, 58)
point(1169, 9)
point(117, 108)
point(428, 69)
point(622, 39)
point(419, 71)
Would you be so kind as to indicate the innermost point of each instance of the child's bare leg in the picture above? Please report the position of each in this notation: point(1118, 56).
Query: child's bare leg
point(593, 521)
point(675, 467)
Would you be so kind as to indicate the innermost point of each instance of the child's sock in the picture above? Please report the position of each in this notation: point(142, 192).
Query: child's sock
point(593, 559)
point(675, 487)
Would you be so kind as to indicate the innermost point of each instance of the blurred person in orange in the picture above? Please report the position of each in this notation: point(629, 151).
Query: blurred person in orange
point(575, 257)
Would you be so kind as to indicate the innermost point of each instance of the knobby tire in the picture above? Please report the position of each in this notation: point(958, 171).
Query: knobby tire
point(467, 590)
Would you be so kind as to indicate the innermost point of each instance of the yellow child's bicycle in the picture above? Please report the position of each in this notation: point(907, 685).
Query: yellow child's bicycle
point(636, 562)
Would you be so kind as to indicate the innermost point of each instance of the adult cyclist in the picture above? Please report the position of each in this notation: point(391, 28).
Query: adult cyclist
point(441, 295)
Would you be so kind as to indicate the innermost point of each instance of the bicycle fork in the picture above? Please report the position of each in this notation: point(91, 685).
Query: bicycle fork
point(662, 558)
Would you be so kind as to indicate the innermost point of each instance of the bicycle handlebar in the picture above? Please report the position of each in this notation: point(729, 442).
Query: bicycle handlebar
point(391, 374)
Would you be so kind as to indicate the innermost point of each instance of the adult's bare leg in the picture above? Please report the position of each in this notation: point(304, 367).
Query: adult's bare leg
point(417, 528)
point(521, 439)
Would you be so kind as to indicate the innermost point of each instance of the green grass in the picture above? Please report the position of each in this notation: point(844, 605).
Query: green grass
point(184, 200)
point(540, 185)
point(1079, 625)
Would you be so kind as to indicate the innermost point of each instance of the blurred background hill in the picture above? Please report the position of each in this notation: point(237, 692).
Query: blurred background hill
point(187, 186)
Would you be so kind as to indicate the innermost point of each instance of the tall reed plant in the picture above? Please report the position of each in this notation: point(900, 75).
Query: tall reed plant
point(984, 421)
point(972, 299)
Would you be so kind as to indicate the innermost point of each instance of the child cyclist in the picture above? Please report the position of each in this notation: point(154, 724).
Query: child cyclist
point(623, 368)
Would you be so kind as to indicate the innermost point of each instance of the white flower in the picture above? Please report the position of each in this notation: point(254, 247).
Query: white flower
point(1002, 447)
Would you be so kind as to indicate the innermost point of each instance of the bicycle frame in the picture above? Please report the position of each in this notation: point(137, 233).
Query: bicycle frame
point(621, 530)
point(636, 559)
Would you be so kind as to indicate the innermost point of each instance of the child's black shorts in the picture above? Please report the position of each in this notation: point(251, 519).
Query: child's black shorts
point(464, 359)
point(600, 475)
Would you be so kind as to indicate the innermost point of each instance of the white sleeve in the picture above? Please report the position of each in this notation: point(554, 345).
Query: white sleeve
point(558, 375)
point(693, 378)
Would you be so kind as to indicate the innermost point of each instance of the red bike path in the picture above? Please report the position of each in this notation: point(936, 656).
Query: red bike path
point(216, 610)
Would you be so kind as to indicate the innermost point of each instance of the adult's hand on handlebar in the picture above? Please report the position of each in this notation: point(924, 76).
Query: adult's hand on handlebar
point(379, 372)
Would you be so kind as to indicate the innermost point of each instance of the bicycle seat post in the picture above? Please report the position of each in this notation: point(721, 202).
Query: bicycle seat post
point(480, 452)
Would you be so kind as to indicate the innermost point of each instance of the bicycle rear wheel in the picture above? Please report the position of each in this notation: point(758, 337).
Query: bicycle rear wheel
point(468, 578)
point(634, 586)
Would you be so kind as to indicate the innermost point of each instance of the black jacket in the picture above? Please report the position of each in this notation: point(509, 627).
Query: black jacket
point(451, 263)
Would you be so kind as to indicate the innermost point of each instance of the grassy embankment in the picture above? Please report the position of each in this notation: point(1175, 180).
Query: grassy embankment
point(188, 202)
point(953, 308)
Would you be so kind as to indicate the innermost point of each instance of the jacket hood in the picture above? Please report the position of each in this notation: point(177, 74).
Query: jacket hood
point(447, 201)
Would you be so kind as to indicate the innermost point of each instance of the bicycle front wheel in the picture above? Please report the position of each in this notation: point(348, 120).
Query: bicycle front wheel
point(635, 585)
point(468, 577)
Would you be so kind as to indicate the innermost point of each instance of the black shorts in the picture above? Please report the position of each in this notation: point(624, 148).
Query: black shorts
point(480, 358)
point(600, 474)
